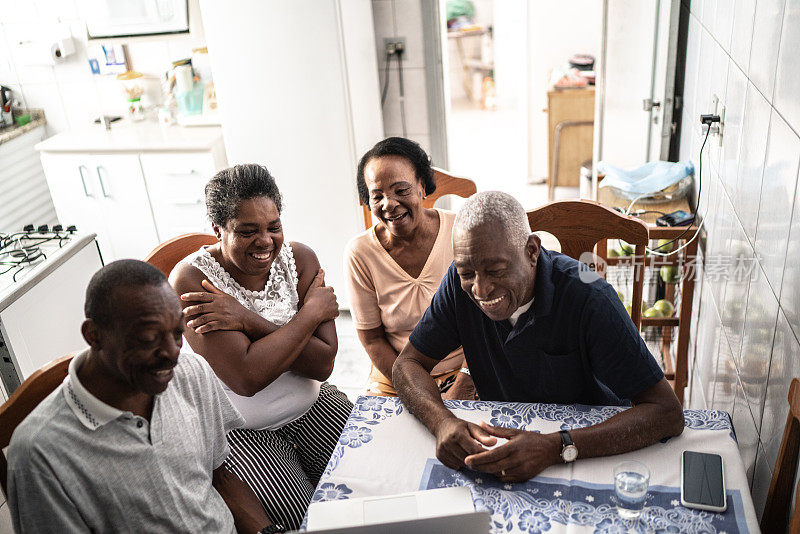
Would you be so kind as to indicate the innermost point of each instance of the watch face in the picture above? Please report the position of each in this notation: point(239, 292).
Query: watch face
point(570, 453)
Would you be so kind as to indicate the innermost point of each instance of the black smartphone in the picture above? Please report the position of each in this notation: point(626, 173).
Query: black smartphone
point(676, 218)
point(703, 481)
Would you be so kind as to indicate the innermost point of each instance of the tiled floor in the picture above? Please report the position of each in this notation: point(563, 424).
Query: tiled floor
point(352, 363)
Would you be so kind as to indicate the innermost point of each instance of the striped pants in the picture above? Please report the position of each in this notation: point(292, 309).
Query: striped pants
point(283, 466)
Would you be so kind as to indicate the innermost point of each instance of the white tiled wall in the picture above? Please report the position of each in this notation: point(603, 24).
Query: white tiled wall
point(68, 92)
point(403, 18)
point(745, 346)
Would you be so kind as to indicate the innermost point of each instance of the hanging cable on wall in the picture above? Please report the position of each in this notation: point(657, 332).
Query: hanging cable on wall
point(385, 90)
point(395, 49)
point(399, 54)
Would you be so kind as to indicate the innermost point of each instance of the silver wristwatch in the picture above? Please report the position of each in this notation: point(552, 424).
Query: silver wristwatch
point(569, 452)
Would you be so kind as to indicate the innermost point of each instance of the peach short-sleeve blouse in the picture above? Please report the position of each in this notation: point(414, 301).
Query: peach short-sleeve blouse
point(382, 293)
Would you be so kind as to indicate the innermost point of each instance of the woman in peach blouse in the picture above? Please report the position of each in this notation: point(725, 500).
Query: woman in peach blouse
point(393, 269)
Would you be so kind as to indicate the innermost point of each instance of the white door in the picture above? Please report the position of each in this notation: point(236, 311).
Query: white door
point(661, 104)
point(636, 81)
point(125, 205)
point(76, 193)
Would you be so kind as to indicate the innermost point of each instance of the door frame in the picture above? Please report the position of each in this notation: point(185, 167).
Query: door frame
point(434, 81)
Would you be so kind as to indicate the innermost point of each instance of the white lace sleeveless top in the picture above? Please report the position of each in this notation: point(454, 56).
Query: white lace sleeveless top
point(290, 395)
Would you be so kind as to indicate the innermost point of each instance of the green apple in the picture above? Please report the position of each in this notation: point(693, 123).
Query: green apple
point(665, 307)
point(653, 312)
point(665, 245)
point(613, 253)
point(628, 308)
point(670, 274)
point(621, 296)
point(625, 249)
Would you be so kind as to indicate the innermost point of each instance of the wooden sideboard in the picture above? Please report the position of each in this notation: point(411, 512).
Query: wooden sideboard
point(570, 116)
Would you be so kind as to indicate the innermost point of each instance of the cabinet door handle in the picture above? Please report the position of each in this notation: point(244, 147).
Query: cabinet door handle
point(86, 192)
point(102, 183)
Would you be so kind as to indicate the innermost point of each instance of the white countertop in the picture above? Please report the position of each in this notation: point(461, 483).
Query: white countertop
point(128, 136)
point(31, 275)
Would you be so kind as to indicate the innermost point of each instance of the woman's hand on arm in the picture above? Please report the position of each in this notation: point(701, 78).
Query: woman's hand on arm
point(213, 309)
point(243, 365)
point(318, 353)
point(379, 350)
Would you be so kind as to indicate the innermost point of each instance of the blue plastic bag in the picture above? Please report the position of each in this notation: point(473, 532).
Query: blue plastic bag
point(649, 178)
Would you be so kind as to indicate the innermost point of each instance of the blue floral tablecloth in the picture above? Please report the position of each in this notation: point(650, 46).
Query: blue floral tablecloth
point(384, 450)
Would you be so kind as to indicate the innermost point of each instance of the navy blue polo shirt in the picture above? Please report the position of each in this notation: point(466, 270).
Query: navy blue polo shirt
point(576, 344)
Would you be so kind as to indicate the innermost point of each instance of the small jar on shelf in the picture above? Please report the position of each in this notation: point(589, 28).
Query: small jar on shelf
point(134, 89)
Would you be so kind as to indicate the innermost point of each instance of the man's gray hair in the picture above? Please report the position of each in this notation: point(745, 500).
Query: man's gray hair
point(495, 207)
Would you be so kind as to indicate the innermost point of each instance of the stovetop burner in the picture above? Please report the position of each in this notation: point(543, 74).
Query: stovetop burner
point(22, 249)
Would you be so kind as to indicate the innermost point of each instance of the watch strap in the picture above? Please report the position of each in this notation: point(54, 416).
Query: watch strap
point(566, 439)
point(272, 529)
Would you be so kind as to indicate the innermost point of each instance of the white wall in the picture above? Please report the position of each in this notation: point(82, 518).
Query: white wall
point(293, 110)
point(558, 29)
point(68, 92)
point(746, 338)
point(403, 18)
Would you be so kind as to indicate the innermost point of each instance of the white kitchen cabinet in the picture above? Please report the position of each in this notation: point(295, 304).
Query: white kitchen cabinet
point(176, 183)
point(75, 195)
point(125, 205)
point(105, 194)
point(135, 186)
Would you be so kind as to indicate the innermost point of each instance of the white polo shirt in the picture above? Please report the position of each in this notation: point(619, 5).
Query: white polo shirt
point(78, 464)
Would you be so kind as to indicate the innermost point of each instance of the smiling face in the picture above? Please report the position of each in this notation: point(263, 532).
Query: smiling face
point(498, 276)
point(139, 348)
point(250, 241)
point(395, 194)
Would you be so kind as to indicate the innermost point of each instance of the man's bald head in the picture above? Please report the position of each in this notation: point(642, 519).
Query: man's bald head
point(501, 210)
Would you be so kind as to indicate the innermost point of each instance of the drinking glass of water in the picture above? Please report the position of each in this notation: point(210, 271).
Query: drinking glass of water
point(631, 480)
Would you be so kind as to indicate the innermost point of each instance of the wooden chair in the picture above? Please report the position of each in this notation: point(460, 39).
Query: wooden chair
point(446, 184)
point(24, 399)
point(579, 225)
point(776, 510)
point(166, 255)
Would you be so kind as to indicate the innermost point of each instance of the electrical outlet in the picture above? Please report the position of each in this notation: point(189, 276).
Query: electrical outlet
point(719, 109)
point(394, 45)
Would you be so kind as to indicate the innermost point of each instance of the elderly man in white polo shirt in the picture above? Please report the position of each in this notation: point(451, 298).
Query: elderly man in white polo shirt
point(134, 438)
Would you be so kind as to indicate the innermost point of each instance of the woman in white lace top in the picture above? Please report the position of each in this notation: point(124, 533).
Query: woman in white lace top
point(259, 312)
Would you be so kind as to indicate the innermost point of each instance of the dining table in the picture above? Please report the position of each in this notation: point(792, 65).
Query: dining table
point(384, 450)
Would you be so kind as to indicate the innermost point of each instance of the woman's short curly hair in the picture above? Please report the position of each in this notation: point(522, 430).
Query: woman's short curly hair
point(231, 186)
point(397, 146)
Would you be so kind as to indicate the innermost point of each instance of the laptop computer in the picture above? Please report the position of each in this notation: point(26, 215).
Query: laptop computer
point(442, 510)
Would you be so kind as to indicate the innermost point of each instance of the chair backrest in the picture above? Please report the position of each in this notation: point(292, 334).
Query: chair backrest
point(24, 399)
point(776, 511)
point(166, 255)
point(446, 184)
point(579, 225)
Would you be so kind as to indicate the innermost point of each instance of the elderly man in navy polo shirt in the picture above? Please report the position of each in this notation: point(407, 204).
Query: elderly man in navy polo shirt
point(533, 330)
